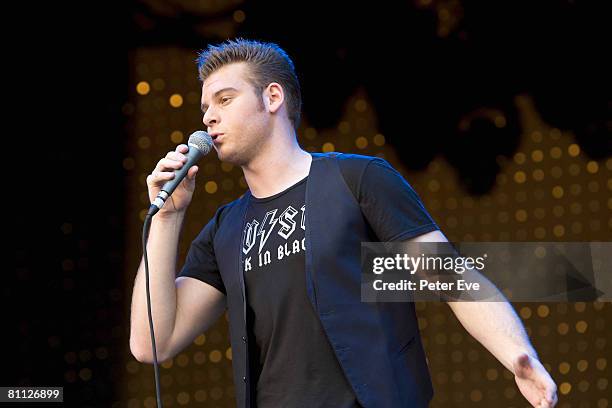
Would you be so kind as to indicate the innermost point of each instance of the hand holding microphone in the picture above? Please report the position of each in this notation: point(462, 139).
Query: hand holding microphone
point(177, 171)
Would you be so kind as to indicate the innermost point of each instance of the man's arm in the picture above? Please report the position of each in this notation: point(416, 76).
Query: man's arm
point(182, 308)
point(498, 328)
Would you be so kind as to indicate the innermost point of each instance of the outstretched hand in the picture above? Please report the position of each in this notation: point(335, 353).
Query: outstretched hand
point(535, 383)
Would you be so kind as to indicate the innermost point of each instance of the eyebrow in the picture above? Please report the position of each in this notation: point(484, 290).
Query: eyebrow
point(229, 88)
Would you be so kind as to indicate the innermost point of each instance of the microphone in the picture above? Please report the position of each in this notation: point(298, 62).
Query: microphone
point(200, 144)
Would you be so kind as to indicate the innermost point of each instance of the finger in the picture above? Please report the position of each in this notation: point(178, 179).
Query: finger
point(159, 177)
point(549, 400)
point(178, 156)
point(182, 148)
point(169, 164)
point(547, 403)
point(192, 172)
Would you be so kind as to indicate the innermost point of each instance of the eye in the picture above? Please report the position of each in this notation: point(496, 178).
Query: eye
point(224, 99)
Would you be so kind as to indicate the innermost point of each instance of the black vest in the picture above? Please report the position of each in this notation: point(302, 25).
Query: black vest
point(377, 344)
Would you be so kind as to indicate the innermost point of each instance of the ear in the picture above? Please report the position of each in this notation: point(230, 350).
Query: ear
point(273, 96)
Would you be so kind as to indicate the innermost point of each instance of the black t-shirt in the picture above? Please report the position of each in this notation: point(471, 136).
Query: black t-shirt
point(292, 362)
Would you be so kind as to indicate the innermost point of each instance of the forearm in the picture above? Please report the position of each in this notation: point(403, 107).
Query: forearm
point(497, 327)
point(162, 251)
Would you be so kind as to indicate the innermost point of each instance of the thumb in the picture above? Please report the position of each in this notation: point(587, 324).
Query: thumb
point(192, 173)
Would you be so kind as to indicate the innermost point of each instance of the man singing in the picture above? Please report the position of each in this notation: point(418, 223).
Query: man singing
point(284, 259)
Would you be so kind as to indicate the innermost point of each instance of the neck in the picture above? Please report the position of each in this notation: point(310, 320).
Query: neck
point(278, 165)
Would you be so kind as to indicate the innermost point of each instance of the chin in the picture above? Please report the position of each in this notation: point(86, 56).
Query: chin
point(227, 158)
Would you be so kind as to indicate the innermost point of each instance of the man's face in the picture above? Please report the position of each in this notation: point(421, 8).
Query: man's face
point(231, 108)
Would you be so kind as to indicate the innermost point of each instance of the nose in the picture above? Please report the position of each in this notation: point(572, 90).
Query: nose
point(210, 118)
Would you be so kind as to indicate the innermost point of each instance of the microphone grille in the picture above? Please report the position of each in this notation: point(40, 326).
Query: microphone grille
point(201, 140)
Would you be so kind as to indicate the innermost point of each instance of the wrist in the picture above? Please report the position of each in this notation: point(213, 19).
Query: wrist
point(169, 217)
point(518, 361)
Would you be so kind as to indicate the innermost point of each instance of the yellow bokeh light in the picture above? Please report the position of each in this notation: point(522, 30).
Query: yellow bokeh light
point(543, 310)
point(328, 147)
point(581, 326)
point(592, 167)
point(361, 142)
point(520, 177)
point(574, 169)
point(537, 156)
point(521, 215)
point(211, 187)
point(601, 363)
point(379, 139)
point(144, 142)
point(176, 100)
point(538, 174)
point(558, 210)
point(310, 133)
point(476, 395)
point(525, 312)
point(559, 230)
point(215, 356)
point(143, 88)
point(519, 158)
point(182, 398)
point(573, 150)
point(182, 360)
point(565, 388)
point(176, 136)
point(555, 152)
point(557, 191)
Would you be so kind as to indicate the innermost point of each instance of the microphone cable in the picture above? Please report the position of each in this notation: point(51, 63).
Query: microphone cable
point(200, 143)
point(145, 235)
